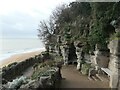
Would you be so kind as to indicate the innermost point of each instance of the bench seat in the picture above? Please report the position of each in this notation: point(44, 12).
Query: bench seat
point(72, 61)
point(107, 70)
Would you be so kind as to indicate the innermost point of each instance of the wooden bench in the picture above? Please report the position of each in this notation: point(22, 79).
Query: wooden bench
point(107, 71)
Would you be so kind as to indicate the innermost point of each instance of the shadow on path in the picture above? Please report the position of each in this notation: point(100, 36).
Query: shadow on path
point(74, 79)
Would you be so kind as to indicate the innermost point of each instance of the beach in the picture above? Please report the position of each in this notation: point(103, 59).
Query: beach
point(19, 57)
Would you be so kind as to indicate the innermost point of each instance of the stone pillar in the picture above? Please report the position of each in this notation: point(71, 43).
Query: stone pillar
point(79, 57)
point(65, 53)
point(100, 58)
point(114, 65)
point(79, 52)
point(58, 49)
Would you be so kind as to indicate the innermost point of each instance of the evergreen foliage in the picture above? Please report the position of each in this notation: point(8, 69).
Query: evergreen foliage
point(87, 22)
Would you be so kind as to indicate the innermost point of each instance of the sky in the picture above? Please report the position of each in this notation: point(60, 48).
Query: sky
point(20, 18)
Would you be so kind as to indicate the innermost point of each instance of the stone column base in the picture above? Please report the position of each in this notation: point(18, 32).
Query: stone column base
point(114, 81)
point(78, 66)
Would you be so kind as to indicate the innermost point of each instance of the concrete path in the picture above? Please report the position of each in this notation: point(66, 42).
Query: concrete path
point(74, 79)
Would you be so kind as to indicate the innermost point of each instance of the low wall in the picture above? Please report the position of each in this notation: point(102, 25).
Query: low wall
point(47, 81)
point(11, 72)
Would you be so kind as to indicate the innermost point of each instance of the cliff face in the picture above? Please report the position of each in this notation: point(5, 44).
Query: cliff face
point(90, 23)
point(88, 28)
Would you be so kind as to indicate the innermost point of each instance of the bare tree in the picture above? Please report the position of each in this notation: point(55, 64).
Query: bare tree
point(46, 30)
point(57, 11)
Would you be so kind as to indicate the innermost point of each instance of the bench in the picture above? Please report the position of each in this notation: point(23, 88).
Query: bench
point(107, 70)
point(72, 61)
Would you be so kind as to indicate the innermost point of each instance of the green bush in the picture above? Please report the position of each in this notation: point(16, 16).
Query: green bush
point(39, 72)
point(12, 64)
point(115, 36)
point(85, 68)
point(43, 69)
point(118, 34)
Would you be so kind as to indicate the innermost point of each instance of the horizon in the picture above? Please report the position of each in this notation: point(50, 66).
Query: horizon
point(20, 19)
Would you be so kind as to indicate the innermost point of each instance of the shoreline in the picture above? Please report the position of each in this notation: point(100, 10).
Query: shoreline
point(19, 57)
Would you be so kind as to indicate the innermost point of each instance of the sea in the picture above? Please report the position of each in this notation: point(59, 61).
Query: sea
point(12, 46)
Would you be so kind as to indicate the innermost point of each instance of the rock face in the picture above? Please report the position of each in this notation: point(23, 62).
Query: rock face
point(45, 81)
point(58, 50)
point(114, 46)
point(15, 84)
point(114, 64)
point(79, 57)
point(31, 85)
point(79, 53)
point(100, 58)
point(65, 53)
point(49, 79)
point(57, 47)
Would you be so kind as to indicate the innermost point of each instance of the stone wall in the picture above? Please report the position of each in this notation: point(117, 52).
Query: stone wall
point(47, 81)
point(79, 53)
point(109, 59)
point(100, 58)
point(65, 53)
point(9, 73)
point(79, 57)
point(87, 57)
point(51, 80)
point(57, 47)
point(114, 64)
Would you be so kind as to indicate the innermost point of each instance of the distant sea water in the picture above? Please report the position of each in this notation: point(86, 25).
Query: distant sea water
point(12, 46)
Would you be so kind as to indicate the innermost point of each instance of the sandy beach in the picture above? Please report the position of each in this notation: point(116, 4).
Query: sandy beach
point(18, 58)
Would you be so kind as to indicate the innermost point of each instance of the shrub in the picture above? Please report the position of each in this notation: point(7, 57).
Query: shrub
point(85, 68)
point(12, 64)
point(117, 34)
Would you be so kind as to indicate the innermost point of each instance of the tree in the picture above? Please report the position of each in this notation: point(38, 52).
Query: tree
point(89, 22)
point(46, 31)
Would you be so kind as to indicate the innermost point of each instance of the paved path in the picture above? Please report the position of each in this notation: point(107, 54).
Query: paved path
point(73, 79)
